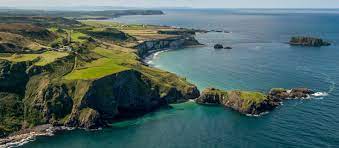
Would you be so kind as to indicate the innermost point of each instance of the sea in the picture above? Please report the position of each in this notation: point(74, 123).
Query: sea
point(260, 59)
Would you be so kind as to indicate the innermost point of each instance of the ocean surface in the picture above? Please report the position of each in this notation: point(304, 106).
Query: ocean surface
point(260, 60)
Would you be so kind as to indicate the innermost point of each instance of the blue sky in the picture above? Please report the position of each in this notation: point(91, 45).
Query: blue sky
point(180, 3)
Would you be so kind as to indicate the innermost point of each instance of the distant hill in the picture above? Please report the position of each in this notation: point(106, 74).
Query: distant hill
point(78, 14)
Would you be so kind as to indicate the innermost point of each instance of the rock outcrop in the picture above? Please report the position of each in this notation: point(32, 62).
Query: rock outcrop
point(308, 41)
point(218, 46)
point(253, 103)
point(178, 32)
point(242, 101)
point(181, 41)
point(280, 94)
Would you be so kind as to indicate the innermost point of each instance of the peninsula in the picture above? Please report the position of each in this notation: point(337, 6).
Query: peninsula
point(83, 74)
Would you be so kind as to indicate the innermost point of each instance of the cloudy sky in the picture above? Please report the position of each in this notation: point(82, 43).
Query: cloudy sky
point(179, 3)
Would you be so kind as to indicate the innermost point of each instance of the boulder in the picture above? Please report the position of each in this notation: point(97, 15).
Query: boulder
point(218, 46)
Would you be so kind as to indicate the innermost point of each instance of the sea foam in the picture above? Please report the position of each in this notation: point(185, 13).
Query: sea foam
point(320, 94)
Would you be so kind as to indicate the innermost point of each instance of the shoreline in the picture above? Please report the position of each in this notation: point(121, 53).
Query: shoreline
point(151, 55)
point(27, 135)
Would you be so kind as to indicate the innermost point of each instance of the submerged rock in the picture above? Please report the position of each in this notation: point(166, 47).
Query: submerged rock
point(308, 41)
point(227, 47)
point(247, 102)
point(218, 46)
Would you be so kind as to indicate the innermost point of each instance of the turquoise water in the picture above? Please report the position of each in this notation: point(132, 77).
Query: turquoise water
point(260, 59)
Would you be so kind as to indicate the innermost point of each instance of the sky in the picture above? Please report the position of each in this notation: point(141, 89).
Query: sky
point(178, 3)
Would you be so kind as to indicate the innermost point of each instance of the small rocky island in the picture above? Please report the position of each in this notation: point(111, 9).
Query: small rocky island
point(252, 103)
point(220, 46)
point(308, 41)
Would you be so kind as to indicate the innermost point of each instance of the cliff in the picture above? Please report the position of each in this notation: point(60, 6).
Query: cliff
point(144, 48)
point(254, 103)
point(33, 95)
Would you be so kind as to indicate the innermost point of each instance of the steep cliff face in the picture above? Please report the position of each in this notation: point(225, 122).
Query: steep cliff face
point(13, 76)
point(45, 101)
point(170, 43)
point(11, 112)
point(124, 94)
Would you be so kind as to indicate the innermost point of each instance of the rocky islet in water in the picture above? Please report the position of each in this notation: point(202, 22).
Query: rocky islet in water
point(250, 102)
point(308, 41)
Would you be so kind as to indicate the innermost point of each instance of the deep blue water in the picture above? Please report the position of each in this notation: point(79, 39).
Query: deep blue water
point(260, 59)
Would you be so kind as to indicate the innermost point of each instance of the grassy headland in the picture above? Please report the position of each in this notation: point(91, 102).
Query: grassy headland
point(81, 74)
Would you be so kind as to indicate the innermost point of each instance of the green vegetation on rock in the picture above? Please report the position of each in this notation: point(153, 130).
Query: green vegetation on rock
point(84, 80)
point(246, 102)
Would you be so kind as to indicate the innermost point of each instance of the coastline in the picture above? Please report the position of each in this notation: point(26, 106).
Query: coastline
point(27, 135)
point(151, 55)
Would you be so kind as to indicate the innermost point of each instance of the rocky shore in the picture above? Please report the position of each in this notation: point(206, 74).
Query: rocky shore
point(252, 103)
point(26, 135)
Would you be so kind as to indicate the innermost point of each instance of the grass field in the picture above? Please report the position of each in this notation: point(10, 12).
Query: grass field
point(251, 98)
point(40, 59)
point(113, 61)
point(141, 32)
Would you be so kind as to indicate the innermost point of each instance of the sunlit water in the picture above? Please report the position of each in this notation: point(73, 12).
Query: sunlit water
point(260, 59)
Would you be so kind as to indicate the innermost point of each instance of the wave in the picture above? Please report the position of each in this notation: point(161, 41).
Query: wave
point(22, 139)
point(326, 77)
point(255, 115)
point(320, 94)
point(154, 54)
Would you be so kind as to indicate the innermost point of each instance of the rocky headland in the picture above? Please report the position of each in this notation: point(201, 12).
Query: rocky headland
point(87, 80)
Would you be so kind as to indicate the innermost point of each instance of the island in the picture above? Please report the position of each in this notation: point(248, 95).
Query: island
point(218, 46)
point(308, 41)
point(250, 102)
